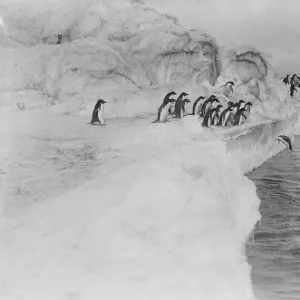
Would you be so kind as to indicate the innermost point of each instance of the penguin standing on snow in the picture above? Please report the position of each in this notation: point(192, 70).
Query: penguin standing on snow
point(226, 113)
point(247, 107)
point(286, 79)
point(179, 106)
point(229, 121)
point(285, 140)
point(227, 88)
point(167, 97)
point(163, 111)
point(184, 103)
point(98, 112)
point(197, 105)
point(211, 117)
point(239, 117)
point(207, 104)
point(292, 89)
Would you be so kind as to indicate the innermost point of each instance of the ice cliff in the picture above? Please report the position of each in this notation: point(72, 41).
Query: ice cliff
point(125, 51)
point(168, 214)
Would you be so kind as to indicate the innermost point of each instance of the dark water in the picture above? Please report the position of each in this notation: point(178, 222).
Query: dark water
point(275, 255)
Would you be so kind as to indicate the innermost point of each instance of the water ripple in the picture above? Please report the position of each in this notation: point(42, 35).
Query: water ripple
point(275, 256)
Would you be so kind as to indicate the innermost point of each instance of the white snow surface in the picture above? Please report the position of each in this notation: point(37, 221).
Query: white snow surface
point(130, 210)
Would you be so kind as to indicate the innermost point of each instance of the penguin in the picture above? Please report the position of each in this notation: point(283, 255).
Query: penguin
point(226, 114)
point(197, 105)
point(163, 111)
point(231, 116)
point(247, 107)
point(239, 117)
point(292, 82)
point(167, 97)
point(230, 103)
point(98, 111)
point(211, 117)
point(285, 140)
point(241, 104)
point(227, 88)
point(286, 80)
point(179, 105)
point(207, 104)
point(292, 89)
point(184, 102)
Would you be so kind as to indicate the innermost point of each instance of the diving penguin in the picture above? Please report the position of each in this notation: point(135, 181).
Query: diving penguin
point(286, 141)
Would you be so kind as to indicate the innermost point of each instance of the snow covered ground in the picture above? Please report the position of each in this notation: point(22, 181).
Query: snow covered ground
point(131, 209)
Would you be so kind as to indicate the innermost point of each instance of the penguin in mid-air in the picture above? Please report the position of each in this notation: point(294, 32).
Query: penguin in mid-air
point(292, 90)
point(197, 106)
point(211, 117)
point(180, 106)
point(227, 115)
point(239, 117)
point(207, 104)
point(286, 79)
point(228, 88)
point(163, 111)
point(98, 112)
point(285, 140)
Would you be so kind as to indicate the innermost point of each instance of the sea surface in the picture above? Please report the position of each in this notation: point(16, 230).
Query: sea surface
point(275, 254)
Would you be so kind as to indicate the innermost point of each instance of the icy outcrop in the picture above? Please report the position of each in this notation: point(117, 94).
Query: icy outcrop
point(131, 48)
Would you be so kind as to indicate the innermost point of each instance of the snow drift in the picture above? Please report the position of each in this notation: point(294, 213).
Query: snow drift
point(169, 212)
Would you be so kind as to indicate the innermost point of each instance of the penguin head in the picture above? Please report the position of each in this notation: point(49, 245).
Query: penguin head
point(230, 103)
point(231, 83)
point(184, 94)
point(215, 100)
point(248, 103)
point(211, 97)
point(170, 94)
point(200, 98)
point(218, 107)
point(240, 103)
point(186, 101)
point(102, 101)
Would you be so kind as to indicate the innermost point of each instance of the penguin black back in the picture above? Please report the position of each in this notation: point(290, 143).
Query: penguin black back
point(197, 105)
point(286, 140)
point(179, 105)
point(238, 118)
point(167, 97)
point(97, 107)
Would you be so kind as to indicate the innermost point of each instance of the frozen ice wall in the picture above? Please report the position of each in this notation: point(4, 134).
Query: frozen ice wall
point(71, 53)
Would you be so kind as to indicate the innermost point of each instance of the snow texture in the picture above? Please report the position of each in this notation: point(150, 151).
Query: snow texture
point(131, 209)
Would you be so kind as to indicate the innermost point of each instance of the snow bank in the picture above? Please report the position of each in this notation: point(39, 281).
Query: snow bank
point(169, 223)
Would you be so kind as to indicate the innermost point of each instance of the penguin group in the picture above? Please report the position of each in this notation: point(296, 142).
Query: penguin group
point(209, 110)
point(294, 82)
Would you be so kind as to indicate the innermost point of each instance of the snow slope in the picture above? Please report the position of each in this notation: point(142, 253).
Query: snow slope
point(132, 209)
